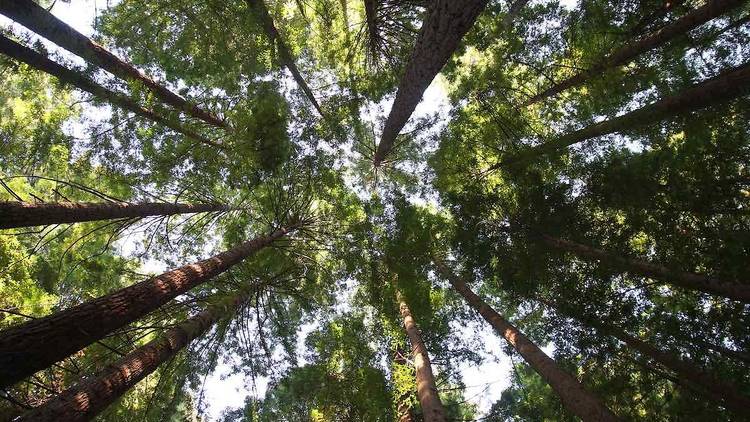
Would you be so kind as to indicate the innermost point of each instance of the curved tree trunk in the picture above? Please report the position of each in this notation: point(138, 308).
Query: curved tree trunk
point(692, 281)
point(29, 347)
point(25, 214)
point(573, 395)
point(44, 23)
point(85, 400)
point(40, 62)
point(691, 20)
point(446, 23)
point(427, 391)
point(729, 85)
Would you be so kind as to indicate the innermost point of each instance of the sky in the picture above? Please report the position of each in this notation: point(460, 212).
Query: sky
point(484, 382)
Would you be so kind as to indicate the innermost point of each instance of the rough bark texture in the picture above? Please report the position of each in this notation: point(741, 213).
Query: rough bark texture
point(25, 214)
point(737, 290)
point(691, 20)
point(284, 53)
point(446, 23)
point(39, 20)
point(573, 395)
point(37, 344)
point(40, 62)
point(729, 85)
point(427, 391)
point(84, 401)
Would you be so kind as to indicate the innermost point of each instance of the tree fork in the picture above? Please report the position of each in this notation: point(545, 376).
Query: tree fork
point(44, 23)
point(37, 344)
point(25, 214)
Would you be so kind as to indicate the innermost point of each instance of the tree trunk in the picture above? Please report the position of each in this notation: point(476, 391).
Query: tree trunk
point(284, 53)
point(39, 20)
point(40, 62)
point(427, 391)
point(691, 20)
point(446, 23)
point(573, 395)
point(692, 281)
point(729, 85)
point(25, 214)
point(403, 412)
point(85, 400)
point(37, 344)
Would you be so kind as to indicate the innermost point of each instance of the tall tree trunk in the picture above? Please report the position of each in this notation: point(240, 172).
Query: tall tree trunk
point(427, 391)
point(40, 62)
point(85, 400)
point(284, 53)
point(403, 411)
point(693, 19)
point(446, 23)
point(25, 214)
point(729, 85)
point(692, 281)
point(36, 18)
point(686, 370)
point(37, 344)
point(573, 395)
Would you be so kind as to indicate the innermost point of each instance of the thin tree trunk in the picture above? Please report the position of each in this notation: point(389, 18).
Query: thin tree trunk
point(40, 62)
point(37, 344)
point(692, 281)
point(26, 214)
point(446, 23)
point(85, 400)
point(693, 19)
point(427, 391)
point(284, 53)
point(403, 412)
point(573, 395)
point(36, 18)
point(729, 85)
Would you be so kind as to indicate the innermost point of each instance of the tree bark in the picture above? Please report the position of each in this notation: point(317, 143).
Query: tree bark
point(427, 391)
point(37, 344)
point(729, 85)
point(446, 23)
point(44, 23)
point(85, 400)
point(692, 281)
point(573, 395)
point(26, 214)
point(625, 54)
point(284, 53)
point(40, 62)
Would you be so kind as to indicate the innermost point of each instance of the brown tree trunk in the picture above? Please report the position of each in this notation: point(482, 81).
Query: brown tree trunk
point(85, 400)
point(37, 344)
point(692, 281)
point(693, 19)
point(729, 85)
point(40, 62)
point(25, 214)
point(284, 53)
point(446, 23)
point(44, 23)
point(427, 391)
point(573, 395)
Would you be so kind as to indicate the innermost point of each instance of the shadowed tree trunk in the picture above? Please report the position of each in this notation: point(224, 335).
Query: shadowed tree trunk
point(691, 20)
point(427, 391)
point(25, 214)
point(38, 61)
point(29, 347)
point(39, 20)
point(692, 281)
point(446, 23)
point(285, 54)
point(573, 395)
point(729, 85)
point(83, 401)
